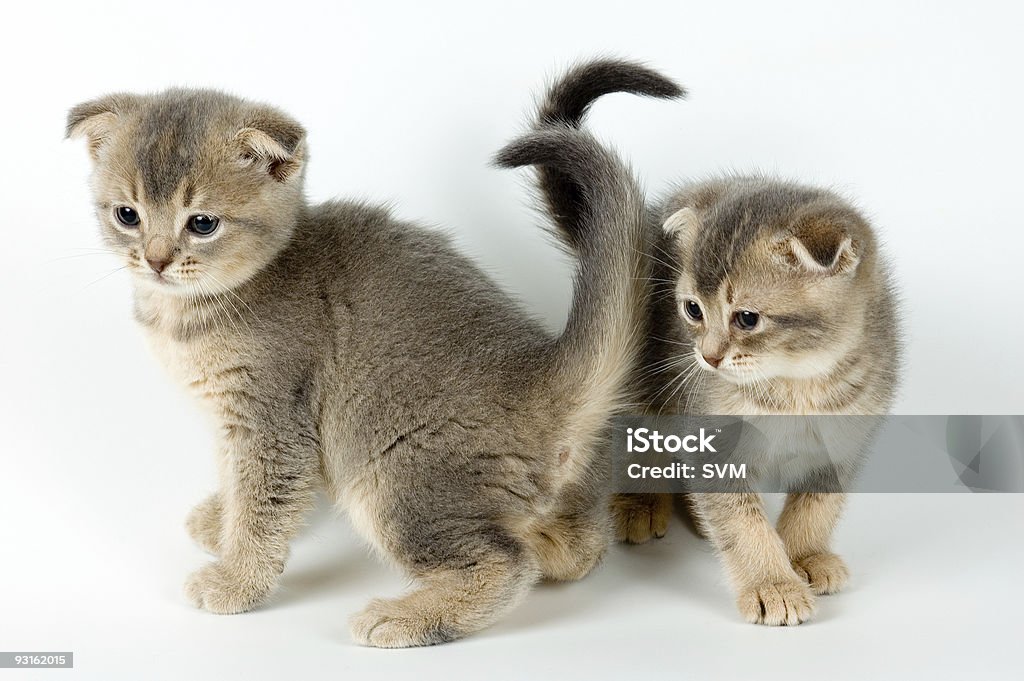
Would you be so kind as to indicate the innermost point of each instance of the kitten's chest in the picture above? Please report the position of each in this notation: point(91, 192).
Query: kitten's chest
point(201, 366)
point(727, 399)
point(795, 439)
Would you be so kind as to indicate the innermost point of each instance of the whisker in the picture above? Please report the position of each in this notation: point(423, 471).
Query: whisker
point(671, 340)
point(77, 255)
point(220, 300)
point(228, 289)
point(112, 272)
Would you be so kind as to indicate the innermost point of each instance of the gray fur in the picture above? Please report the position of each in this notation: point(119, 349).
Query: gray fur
point(565, 105)
point(828, 342)
point(169, 137)
point(743, 226)
point(340, 347)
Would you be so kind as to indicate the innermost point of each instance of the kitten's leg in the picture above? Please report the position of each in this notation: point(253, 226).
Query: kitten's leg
point(691, 516)
point(568, 548)
point(473, 589)
point(806, 525)
point(205, 521)
point(271, 481)
point(639, 517)
point(575, 538)
point(768, 590)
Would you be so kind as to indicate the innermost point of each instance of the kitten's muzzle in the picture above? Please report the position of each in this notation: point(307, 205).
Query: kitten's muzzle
point(159, 253)
point(158, 265)
point(713, 361)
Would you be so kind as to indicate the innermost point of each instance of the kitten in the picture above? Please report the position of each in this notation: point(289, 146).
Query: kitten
point(777, 297)
point(339, 347)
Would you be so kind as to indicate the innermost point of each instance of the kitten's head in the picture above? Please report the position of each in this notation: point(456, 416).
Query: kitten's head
point(195, 189)
point(772, 278)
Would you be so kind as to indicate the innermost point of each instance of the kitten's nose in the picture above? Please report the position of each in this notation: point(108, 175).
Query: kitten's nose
point(157, 264)
point(713, 361)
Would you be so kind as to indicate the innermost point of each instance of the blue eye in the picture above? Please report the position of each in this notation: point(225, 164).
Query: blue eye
point(203, 225)
point(746, 320)
point(127, 216)
point(693, 311)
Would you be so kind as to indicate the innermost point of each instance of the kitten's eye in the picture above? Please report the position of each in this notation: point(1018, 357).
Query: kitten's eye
point(127, 216)
point(693, 311)
point(746, 320)
point(203, 225)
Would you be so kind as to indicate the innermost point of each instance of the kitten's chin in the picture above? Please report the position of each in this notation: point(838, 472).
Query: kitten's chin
point(154, 284)
point(151, 281)
point(770, 369)
point(739, 378)
point(816, 368)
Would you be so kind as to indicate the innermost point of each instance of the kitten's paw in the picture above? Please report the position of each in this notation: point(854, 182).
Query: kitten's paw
point(225, 591)
point(825, 573)
point(389, 623)
point(641, 517)
point(780, 603)
point(204, 524)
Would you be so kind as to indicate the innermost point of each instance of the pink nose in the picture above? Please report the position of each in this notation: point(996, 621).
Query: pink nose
point(157, 264)
point(713, 361)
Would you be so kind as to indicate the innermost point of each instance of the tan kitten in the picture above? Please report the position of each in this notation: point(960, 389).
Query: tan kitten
point(773, 300)
point(339, 347)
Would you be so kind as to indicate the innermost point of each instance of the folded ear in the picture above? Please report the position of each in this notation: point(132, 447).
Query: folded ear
point(96, 119)
point(822, 244)
point(273, 142)
point(682, 224)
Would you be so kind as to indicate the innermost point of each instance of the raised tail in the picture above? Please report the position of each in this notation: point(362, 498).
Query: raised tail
point(570, 97)
point(595, 354)
point(566, 104)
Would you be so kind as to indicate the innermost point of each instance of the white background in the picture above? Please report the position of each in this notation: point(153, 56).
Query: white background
point(913, 109)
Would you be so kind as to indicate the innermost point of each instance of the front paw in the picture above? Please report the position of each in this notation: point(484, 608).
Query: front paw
point(826, 573)
point(224, 590)
point(396, 623)
point(204, 524)
point(788, 602)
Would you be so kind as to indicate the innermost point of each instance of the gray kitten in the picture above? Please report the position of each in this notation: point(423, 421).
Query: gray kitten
point(768, 298)
point(774, 300)
point(338, 347)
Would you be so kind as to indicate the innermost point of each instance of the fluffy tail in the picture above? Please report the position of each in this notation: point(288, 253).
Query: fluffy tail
point(569, 99)
point(595, 354)
point(567, 103)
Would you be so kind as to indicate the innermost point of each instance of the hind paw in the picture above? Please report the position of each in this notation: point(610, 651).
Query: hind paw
point(641, 517)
